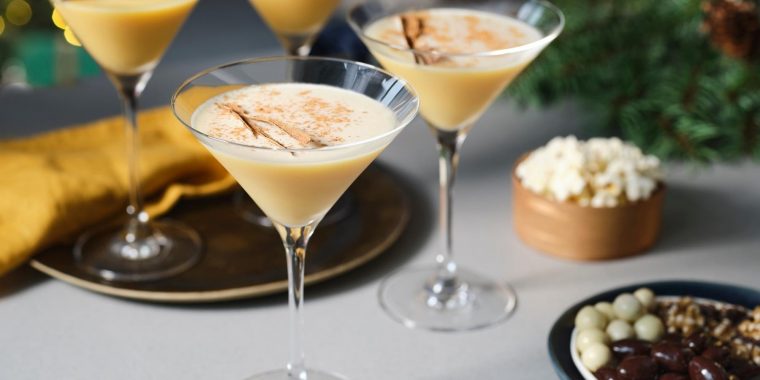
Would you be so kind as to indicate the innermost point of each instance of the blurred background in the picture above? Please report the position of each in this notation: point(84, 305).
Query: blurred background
point(37, 48)
point(679, 78)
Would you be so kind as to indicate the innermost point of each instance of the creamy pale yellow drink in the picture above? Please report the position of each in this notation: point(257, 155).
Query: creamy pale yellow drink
point(303, 133)
point(295, 17)
point(125, 36)
point(457, 71)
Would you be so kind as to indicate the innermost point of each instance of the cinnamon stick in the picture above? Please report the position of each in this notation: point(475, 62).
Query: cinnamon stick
point(413, 27)
point(252, 122)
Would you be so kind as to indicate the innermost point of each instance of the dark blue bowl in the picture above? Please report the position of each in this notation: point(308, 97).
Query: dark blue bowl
point(559, 336)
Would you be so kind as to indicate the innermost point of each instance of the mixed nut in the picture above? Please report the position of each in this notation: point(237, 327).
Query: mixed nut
point(641, 337)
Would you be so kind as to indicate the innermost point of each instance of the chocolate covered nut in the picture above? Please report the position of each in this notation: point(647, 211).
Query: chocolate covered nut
point(628, 347)
point(589, 336)
point(589, 317)
point(718, 354)
point(702, 368)
point(646, 297)
point(673, 376)
point(672, 356)
point(606, 309)
point(619, 329)
point(606, 373)
point(649, 327)
point(695, 342)
point(596, 356)
point(627, 307)
point(637, 367)
point(671, 337)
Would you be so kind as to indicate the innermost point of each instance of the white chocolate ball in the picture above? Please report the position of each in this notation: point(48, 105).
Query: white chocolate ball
point(596, 356)
point(619, 329)
point(588, 337)
point(649, 328)
point(606, 309)
point(645, 296)
point(627, 307)
point(589, 317)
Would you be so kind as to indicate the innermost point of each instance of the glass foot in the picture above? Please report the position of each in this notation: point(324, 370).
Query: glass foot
point(283, 375)
point(412, 298)
point(248, 210)
point(169, 249)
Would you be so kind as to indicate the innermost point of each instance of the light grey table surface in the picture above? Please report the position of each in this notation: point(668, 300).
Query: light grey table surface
point(51, 330)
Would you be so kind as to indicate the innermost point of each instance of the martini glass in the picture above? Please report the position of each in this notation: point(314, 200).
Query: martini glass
point(294, 187)
point(458, 56)
point(296, 24)
point(127, 39)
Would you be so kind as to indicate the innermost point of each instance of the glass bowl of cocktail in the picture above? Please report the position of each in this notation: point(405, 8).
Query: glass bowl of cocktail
point(296, 23)
point(459, 55)
point(295, 132)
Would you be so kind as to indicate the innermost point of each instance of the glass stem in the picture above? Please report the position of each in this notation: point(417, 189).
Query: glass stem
point(297, 46)
point(295, 240)
point(444, 287)
point(130, 88)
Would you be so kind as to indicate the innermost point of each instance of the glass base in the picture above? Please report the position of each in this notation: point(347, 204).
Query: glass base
point(169, 249)
point(251, 213)
point(475, 302)
point(282, 374)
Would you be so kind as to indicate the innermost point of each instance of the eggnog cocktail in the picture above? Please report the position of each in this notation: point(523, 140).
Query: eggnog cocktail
point(295, 132)
point(125, 36)
point(294, 186)
point(455, 83)
point(295, 17)
point(459, 55)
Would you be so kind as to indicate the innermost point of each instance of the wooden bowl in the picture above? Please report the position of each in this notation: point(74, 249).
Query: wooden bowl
point(571, 231)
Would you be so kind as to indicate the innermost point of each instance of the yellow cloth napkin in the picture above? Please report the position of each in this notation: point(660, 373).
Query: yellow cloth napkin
point(55, 185)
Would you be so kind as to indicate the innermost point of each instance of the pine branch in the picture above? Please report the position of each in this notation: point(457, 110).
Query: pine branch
point(652, 77)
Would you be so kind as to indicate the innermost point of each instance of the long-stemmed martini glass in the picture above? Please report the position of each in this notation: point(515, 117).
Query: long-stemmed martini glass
point(295, 132)
point(459, 55)
point(127, 39)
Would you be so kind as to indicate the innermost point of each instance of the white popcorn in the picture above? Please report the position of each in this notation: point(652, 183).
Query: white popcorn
point(601, 172)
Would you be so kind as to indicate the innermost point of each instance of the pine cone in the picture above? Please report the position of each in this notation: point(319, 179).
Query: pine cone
point(733, 27)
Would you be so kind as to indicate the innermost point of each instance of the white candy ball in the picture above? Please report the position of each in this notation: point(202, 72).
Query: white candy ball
point(627, 307)
point(646, 297)
point(596, 356)
point(606, 309)
point(590, 336)
point(619, 329)
point(649, 328)
point(589, 317)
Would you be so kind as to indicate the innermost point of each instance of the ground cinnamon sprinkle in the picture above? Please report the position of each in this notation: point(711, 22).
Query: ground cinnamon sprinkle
point(475, 33)
point(293, 118)
point(442, 32)
point(323, 114)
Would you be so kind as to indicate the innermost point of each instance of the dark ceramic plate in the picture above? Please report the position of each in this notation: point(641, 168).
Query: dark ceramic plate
point(559, 337)
point(245, 260)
